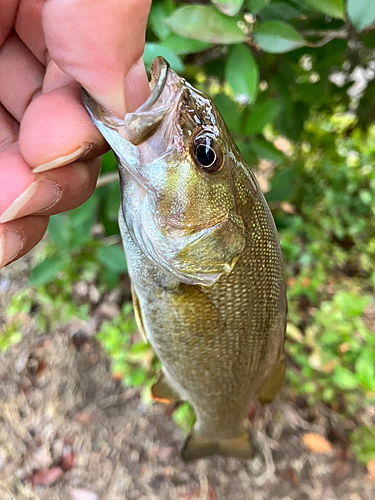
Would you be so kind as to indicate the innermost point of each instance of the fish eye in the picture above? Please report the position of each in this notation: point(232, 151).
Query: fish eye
point(208, 154)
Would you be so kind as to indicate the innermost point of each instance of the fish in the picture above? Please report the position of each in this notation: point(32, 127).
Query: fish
point(204, 260)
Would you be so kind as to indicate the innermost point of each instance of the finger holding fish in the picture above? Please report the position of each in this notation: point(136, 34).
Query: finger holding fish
point(19, 236)
point(46, 193)
point(48, 49)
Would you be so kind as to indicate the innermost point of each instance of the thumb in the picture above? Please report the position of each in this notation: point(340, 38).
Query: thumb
point(100, 44)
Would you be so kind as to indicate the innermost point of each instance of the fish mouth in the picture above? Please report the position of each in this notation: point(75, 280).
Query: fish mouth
point(138, 126)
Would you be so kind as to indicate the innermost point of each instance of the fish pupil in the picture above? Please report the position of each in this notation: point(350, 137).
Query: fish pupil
point(205, 155)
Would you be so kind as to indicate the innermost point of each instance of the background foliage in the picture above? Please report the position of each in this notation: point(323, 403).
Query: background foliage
point(294, 82)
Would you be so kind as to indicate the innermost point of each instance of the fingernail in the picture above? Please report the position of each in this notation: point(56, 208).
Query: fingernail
point(10, 246)
point(82, 150)
point(40, 195)
point(136, 86)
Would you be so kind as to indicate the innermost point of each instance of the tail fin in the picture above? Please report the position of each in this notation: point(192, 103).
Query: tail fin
point(196, 447)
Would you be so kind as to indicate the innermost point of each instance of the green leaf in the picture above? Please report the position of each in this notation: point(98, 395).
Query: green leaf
point(313, 94)
point(256, 6)
point(85, 214)
point(365, 369)
point(109, 163)
point(329, 338)
point(366, 197)
point(261, 114)
point(282, 186)
point(229, 111)
point(182, 46)
point(81, 221)
point(344, 378)
point(228, 7)
point(333, 8)
point(135, 377)
point(361, 13)
point(110, 199)
point(280, 12)
point(158, 14)
point(113, 258)
point(328, 394)
point(352, 305)
point(308, 387)
point(46, 271)
point(276, 37)
point(242, 74)
point(267, 150)
point(184, 417)
point(59, 230)
point(111, 278)
point(112, 202)
point(139, 348)
point(247, 152)
point(205, 23)
point(363, 443)
point(153, 50)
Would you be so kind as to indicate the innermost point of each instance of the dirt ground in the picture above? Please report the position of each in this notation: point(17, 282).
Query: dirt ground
point(68, 431)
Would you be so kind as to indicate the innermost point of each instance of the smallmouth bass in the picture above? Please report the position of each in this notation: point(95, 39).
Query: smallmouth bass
point(204, 259)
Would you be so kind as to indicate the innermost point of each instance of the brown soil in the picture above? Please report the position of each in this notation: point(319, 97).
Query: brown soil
point(68, 431)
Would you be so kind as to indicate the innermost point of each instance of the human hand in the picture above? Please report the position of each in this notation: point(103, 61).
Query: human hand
point(49, 148)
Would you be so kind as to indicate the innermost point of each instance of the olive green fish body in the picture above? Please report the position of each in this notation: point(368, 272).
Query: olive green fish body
point(204, 259)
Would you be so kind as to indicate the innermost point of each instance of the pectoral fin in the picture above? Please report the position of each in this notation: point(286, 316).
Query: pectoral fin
point(162, 392)
point(273, 384)
point(197, 446)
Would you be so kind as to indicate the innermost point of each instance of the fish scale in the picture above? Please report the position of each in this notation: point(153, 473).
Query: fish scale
point(204, 259)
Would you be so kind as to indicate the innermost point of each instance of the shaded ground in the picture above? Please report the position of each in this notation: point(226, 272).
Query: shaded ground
point(62, 413)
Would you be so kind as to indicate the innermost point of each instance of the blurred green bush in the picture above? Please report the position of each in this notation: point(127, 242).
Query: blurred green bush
point(271, 68)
